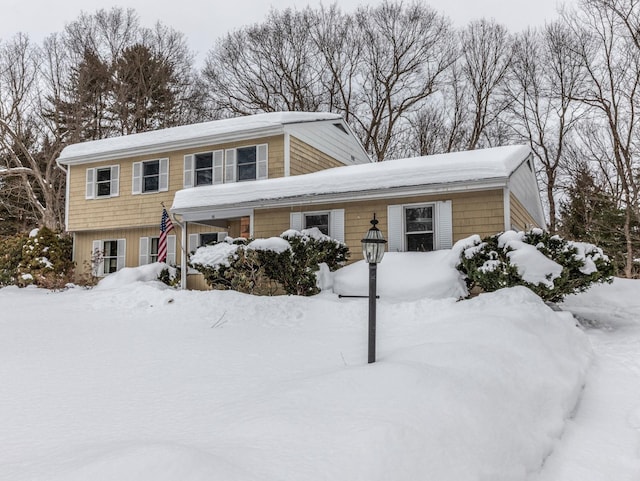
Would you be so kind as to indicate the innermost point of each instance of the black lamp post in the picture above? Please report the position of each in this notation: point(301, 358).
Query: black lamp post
point(373, 252)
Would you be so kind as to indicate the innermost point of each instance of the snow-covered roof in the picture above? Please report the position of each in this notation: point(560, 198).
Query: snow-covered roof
point(434, 173)
point(174, 138)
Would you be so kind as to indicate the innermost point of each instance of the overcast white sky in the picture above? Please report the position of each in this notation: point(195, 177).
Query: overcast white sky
point(204, 21)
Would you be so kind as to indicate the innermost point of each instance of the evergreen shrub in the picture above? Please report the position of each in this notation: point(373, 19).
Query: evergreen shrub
point(268, 266)
point(43, 258)
point(566, 268)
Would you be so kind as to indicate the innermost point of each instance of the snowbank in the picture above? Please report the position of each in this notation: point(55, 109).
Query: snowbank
point(130, 275)
point(142, 383)
point(404, 276)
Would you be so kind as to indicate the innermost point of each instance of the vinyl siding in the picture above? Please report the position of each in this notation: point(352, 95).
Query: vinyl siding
point(83, 243)
point(306, 159)
point(472, 213)
point(141, 210)
point(520, 218)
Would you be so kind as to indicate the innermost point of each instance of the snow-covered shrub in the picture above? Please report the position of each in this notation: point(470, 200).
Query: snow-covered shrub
point(170, 276)
point(45, 260)
point(267, 266)
point(550, 266)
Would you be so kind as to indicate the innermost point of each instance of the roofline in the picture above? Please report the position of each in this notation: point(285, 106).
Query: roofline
point(164, 147)
point(191, 213)
point(276, 128)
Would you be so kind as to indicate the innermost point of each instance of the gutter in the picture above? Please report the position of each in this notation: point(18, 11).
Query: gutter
point(351, 196)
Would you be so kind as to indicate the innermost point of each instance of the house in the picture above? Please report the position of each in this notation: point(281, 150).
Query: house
point(260, 175)
point(116, 187)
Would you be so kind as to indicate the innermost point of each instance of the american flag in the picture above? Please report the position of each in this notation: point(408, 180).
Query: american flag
point(165, 227)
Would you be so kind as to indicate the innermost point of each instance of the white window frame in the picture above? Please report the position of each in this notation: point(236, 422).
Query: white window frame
point(191, 170)
point(406, 233)
point(442, 225)
point(91, 179)
point(138, 176)
point(336, 221)
point(146, 254)
point(98, 247)
point(231, 163)
point(195, 240)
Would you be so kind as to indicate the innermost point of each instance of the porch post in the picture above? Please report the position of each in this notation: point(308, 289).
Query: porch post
point(184, 268)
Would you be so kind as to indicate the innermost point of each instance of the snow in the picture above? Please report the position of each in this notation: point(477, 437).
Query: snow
point(214, 255)
point(533, 266)
point(275, 244)
point(189, 133)
point(129, 275)
point(494, 164)
point(134, 380)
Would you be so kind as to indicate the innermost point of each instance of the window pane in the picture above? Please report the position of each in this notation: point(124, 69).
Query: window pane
point(151, 184)
point(110, 265)
point(151, 168)
point(110, 249)
point(246, 155)
point(321, 221)
point(204, 161)
point(246, 161)
point(208, 239)
point(420, 242)
point(104, 189)
point(103, 175)
point(153, 249)
point(204, 177)
point(419, 219)
point(247, 172)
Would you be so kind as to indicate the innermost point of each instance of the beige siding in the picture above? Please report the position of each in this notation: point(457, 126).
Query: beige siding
point(129, 210)
point(306, 159)
point(473, 213)
point(83, 243)
point(520, 218)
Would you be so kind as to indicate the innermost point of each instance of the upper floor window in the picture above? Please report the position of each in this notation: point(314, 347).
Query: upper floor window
point(230, 165)
point(150, 176)
point(102, 182)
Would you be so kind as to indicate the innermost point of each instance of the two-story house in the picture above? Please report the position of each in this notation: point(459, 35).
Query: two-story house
point(116, 187)
point(260, 175)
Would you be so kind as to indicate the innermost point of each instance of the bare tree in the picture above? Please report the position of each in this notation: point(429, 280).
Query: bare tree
point(544, 77)
point(611, 59)
point(28, 145)
point(335, 37)
point(406, 52)
point(486, 55)
point(266, 67)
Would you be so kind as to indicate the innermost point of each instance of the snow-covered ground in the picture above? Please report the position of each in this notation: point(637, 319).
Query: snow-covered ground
point(135, 381)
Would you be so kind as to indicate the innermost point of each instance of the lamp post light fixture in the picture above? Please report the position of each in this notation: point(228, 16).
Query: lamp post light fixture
point(373, 246)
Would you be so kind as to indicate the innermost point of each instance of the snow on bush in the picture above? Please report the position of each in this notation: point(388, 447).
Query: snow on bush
point(547, 264)
point(130, 275)
point(287, 263)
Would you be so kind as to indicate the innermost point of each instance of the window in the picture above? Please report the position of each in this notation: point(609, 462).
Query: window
point(148, 252)
point(419, 228)
point(102, 182)
point(150, 176)
point(204, 168)
point(108, 256)
point(321, 221)
point(153, 249)
point(207, 238)
point(329, 222)
point(246, 163)
point(246, 159)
